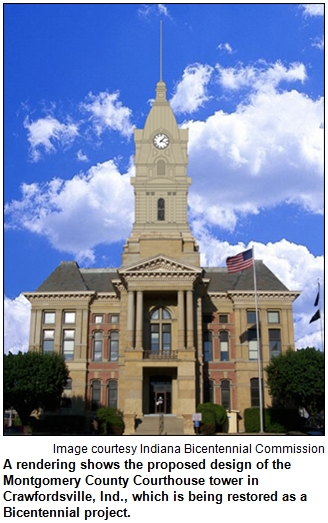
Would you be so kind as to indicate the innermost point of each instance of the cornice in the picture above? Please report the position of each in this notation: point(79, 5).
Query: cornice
point(249, 296)
point(283, 296)
point(108, 296)
point(58, 296)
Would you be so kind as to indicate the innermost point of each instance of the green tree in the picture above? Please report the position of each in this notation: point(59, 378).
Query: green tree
point(298, 376)
point(33, 381)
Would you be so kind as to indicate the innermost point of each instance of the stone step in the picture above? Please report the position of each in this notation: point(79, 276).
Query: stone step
point(150, 426)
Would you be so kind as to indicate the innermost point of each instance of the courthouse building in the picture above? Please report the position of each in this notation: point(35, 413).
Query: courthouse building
point(161, 333)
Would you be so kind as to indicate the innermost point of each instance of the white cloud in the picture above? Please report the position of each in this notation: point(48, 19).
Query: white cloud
point(313, 9)
point(261, 76)
point(190, 93)
point(267, 152)
point(319, 43)
point(107, 112)
point(17, 314)
point(148, 10)
point(77, 214)
point(293, 264)
point(163, 10)
point(48, 133)
point(81, 157)
point(226, 48)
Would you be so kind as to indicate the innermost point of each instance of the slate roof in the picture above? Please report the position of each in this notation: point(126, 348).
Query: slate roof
point(221, 281)
point(69, 277)
point(66, 277)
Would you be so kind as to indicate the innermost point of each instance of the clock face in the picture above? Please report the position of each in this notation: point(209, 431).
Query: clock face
point(161, 141)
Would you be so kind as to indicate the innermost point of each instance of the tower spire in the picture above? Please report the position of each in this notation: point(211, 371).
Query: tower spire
point(160, 52)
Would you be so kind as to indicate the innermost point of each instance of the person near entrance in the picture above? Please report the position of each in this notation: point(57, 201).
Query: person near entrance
point(159, 404)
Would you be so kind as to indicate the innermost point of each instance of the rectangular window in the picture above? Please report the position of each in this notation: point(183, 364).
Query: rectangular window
point(255, 392)
point(166, 337)
point(66, 399)
point(115, 318)
point(273, 317)
point(154, 337)
point(98, 318)
point(69, 317)
point(274, 342)
point(251, 316)
point(69, 384)
point(224, 346)
point(207, 346)
point(223, 318)
point(252, 344)
point(68, 344)
point(49, 317)
point(48, 341)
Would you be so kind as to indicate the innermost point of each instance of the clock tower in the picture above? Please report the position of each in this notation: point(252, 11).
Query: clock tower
point(161, 189)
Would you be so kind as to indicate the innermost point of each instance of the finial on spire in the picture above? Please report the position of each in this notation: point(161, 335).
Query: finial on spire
point(160, 52)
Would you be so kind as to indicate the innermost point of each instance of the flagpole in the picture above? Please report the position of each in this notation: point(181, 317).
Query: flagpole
point(258, 346)
point(322, 344)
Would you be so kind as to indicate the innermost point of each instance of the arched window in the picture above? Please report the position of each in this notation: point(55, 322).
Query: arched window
point(112, 394)
point(161, 209)
point(224, 346)
point(225, 394)
point(113, 346)
point(97, 346)
point(160, 331)
point(96, 395)
point(207, 345)
point(160, 168)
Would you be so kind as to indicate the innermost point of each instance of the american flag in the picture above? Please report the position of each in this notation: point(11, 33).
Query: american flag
point(242, 261)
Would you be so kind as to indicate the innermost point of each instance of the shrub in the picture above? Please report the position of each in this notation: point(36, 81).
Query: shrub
point(275, 420)
point(110, 421)
point(58, 424)
point(213, 417)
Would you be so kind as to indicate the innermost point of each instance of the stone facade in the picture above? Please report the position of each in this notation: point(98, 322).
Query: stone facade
point(161, 333)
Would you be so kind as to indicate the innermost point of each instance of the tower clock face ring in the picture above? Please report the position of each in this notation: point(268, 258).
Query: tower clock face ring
point(161, 141)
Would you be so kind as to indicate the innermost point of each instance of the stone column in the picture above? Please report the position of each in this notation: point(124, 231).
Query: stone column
point(139, 319)
point(181, 321)
point(130, 329)
point(190, 320)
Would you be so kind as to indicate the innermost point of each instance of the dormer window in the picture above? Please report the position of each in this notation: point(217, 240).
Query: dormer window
point(161, 209)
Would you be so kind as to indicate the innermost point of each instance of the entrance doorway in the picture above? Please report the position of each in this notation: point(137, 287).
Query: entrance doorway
point(160, 394)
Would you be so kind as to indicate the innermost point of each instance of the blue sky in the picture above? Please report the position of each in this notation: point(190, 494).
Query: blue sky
point(246, 79)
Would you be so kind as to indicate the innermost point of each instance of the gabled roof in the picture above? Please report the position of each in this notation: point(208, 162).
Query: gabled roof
point(159, 263)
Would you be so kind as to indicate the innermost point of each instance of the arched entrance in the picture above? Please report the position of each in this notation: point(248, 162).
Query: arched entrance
point(160, 394)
